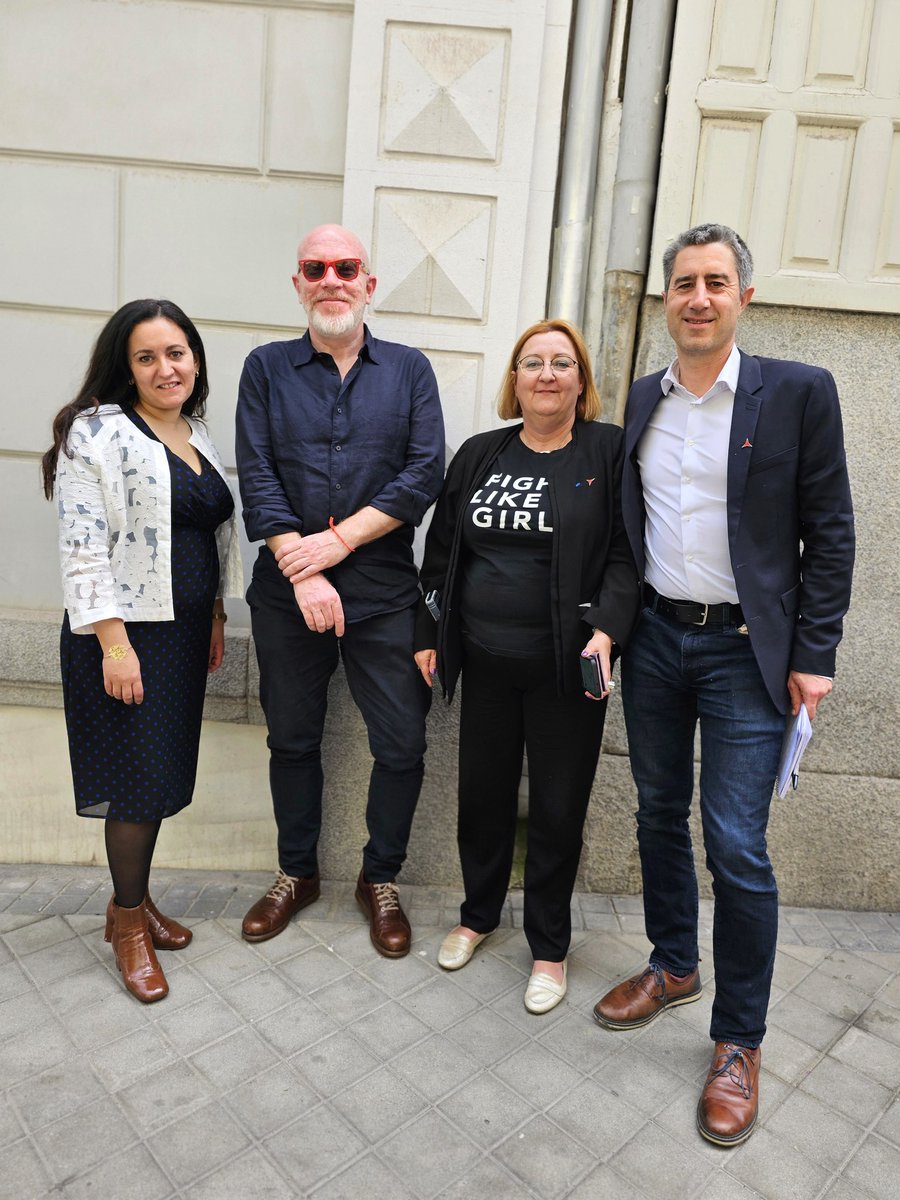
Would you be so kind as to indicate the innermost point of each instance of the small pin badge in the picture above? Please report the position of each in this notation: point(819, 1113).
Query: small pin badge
point(748, 445)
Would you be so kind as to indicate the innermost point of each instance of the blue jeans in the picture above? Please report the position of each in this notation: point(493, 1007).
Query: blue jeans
point(295, 667)
point(672, 676)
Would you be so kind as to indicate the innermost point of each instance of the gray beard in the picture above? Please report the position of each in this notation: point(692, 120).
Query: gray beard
point(335, 326)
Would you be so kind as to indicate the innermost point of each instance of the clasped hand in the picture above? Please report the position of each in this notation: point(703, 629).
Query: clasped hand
point(303, 557)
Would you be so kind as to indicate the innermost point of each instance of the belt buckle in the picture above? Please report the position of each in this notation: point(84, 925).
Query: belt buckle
point(705, 616)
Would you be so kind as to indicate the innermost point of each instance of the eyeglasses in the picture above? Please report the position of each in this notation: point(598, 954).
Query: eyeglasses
point(558, 365)
point(314, 269)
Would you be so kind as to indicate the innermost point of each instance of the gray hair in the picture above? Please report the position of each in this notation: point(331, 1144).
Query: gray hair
point(704, 235)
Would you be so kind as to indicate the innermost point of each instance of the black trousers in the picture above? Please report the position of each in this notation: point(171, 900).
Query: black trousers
point(511, 704)
point(295, 667)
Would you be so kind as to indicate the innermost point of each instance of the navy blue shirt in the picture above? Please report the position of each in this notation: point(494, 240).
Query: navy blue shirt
point(311, 446)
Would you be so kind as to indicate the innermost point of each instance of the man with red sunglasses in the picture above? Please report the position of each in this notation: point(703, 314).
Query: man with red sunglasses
point(340, 453)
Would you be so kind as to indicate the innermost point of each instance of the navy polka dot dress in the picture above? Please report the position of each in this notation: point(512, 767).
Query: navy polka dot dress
point(138, 762)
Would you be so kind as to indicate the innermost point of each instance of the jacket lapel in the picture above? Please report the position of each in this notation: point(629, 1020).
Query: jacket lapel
point(745, 414)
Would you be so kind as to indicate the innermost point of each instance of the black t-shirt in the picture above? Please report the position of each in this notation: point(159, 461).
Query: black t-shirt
point(506, 553)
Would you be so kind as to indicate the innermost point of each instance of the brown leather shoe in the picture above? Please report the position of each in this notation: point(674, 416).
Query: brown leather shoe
point(636, 1001)
point(135, 956)
point(729, 1103)
point(270, 914)
point(388, 927)
point(165, 933)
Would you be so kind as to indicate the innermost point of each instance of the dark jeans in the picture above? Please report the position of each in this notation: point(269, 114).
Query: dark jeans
point(672, 676)
point(295, 666)
point(511, 704)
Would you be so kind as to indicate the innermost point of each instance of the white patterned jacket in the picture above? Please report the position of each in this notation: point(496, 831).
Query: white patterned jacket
point(115, 529)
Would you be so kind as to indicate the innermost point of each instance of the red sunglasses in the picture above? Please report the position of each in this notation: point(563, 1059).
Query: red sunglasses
point(314, 269)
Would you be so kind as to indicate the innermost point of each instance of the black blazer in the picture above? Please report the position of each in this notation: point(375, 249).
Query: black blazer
point(593, 583)
point(787, 485)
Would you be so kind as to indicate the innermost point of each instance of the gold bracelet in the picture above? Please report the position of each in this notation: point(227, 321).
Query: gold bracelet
point(117, 652)
point(220, 616)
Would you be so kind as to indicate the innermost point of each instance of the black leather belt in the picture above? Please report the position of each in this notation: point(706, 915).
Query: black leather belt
point(689, 612)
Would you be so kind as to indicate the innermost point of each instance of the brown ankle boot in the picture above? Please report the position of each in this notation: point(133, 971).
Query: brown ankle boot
point(135, 956)
point(165, 933)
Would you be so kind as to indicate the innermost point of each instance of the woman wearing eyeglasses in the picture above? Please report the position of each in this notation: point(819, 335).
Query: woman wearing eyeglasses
point(148, 547)
point(526, 570)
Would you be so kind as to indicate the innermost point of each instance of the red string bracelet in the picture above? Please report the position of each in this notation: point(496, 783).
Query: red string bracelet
point(338, 536)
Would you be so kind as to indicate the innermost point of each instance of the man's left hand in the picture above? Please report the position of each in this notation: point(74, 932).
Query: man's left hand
point(315, 552)
point(808, 690)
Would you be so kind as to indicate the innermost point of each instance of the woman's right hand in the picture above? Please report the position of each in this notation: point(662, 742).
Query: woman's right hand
point(426, 661)
point(122, 678)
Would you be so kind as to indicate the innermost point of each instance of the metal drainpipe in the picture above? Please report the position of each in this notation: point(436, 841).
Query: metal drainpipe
point(581, 146)
point(634, 196)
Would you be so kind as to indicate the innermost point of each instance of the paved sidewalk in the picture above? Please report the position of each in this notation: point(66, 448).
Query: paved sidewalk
point(308, 1066)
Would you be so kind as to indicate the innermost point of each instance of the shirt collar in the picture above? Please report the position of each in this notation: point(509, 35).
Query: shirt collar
point(304, 351)
point(727, 377)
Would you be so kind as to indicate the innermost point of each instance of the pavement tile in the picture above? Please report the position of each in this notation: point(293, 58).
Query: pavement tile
point(186, 987)
point(485, 1179)
point(486, 1109)
point(379, 1103)
point(429, 1154)
point(847, 1091)
point(882, 1021)
point(130, 1058)
point(334, 1063)
point(198, 1143)
point(842, 1189)
point(578, 1040)
point(261, 994)
point(856, 969)
point(346, 999)
point(22, 1172)
point(78, 990)
point(676, 1047)
point(225, 966)
point(21, 1014)
point(295, 1026)
point(32, 1052)
point(113, 1015)
point(234, 1059)
point(638, 1080)
point(313, 968)
point(815, 1130)
point(789, 971)
point(36, 935)
point(660, 1164)
point(14, 981)
point(134, 1175)
point(545, 1158)
point(56, 1093)
point(314, 1146)
point(775, 1169)
point(439, 1004)
point(787, 1056)
point(601, 1121)
point(249, 1176)
point(726, 1187)
point(605, 1184)
point(59, 961)
point(389, 1030)
point(891, 993)
point(873, 1056)
point(436, 1066)
point(486, 977)
point(805, 1021)
point(197, 1025)
point(486, 1036)
point(270, 1101)
point(611, 958)
point(537, 1074)
point(368, 1177)
point(889, 1125)
point(81, 1139)
point(875, 1167)
point(169, 1094)
point(835, 996)
point(399, 976)
point(10, 1126)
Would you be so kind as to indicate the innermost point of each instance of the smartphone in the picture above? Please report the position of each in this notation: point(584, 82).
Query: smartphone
point(592, 675)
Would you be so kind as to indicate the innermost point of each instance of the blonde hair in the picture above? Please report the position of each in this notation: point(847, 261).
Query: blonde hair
point(588, 406)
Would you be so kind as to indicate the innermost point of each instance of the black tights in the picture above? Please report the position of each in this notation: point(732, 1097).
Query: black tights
point(129, 850)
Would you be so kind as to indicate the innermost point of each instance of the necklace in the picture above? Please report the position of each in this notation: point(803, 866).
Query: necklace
point(566, 438)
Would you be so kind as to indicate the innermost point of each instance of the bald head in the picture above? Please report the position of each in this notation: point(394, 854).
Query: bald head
point(332, 241)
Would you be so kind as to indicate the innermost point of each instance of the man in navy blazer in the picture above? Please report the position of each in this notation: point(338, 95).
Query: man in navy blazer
point(737, 506)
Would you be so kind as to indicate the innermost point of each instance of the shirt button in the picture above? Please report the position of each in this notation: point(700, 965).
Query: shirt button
point(338, 410)
point(337, 447)
point(337, 487)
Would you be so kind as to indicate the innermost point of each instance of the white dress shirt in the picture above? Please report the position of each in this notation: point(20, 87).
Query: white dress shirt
point(683, 460)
